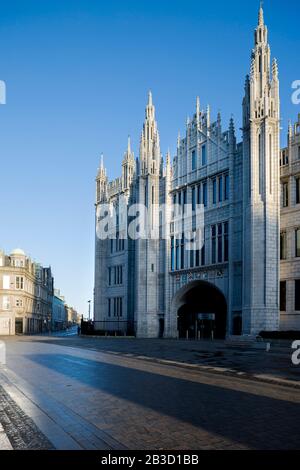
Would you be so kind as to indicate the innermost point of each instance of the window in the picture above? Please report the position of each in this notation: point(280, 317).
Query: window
point(203, 255)
point(194, 160)
point(199, 194)
point(204, 194)
point(213, 244)
point(192, 258)
point(152, 268)
point(19, 282)
point(220, 244)
point(109, 307)
point(297, 294)
point(193, 199)
point(226, 189)
point(182, 252)
point(19, 303)
point(282, 296)
point(285, 194)
point(214, 191)
point(6, 282)
point(297, 243)
point(203, 155)
point(109, 276)
point(177, 254)
point(226, 247)
point(172, 254)
point(184, 200)
point(299, 153)
point(220, 188)
point(283, 245)
point(297, 190)
point(6, 303)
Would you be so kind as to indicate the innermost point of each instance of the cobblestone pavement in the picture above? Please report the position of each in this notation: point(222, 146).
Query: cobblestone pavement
point(20, 430)
point(106, 394)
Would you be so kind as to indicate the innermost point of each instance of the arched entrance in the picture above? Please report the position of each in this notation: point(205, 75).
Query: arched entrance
point(201, 309)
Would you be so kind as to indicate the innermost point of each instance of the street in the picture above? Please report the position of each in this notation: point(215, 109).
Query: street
point(72, 392)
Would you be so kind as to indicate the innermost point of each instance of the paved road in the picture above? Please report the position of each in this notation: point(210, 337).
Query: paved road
point(86, 394)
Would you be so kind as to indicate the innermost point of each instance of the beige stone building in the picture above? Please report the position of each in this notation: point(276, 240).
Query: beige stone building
point(290, 231)
point(26, 292)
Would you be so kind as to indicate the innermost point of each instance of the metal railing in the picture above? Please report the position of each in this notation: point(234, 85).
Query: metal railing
point(108, 328)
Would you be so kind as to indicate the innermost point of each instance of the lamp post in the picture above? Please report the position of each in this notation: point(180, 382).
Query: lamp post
point(89, 302)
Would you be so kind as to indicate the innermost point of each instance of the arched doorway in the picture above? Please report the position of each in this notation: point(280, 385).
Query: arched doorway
point(201, 309)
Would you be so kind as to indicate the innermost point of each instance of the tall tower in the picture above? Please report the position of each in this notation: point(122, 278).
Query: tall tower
point(261, 147)
point(128, 168)
point(100, 245)
point(147, 249)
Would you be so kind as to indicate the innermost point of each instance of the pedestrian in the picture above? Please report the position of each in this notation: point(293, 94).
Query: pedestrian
point(78, 330)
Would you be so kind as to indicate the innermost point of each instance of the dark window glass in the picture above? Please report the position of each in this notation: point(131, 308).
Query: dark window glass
point(214, 191)
point(297, 243)
point(203, 155)
point(204, 195)
point(283, 296)
point(220, 244)
point(283, 245)
point(226, 247)
point(226, 189)
point(297, 294)
point(194, 160)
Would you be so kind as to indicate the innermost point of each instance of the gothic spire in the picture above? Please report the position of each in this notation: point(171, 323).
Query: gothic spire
point(261, 15)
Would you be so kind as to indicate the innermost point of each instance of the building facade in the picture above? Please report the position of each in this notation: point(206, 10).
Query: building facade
point(26, 291)
point(229, 284)
point(290, 230)
point(59, 319)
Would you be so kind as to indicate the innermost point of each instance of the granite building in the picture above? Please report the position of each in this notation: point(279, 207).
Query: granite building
point(26, 292)
point(230, 284)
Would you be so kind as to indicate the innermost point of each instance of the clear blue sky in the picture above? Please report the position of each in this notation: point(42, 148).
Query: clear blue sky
point(77, 75)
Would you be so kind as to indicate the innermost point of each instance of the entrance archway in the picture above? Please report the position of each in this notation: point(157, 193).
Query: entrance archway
point(201, 309)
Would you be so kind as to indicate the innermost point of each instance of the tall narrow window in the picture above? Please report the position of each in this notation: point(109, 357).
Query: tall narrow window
point(192, 258)
point(226, 245)
point(297, 294)
point(283, 245)
point(109, 307)
point(172, 254)
point(194, 160)
point(182, 252)
point(203, 255)
point(199, 194)
point(109, 276)
point(203, 157)
point(204, 194)
point(297, 243)
point(184, 200)
point(213, 244)
point(220, 244)
point(298, 190)
point(260, 162)
point(193, 199)
point(282, 296)
point(220, 188)
point(285, 194)
point(226, 188)
point(214, 191)
point(177, 254)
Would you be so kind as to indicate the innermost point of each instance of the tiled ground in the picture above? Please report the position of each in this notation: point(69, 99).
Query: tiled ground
point(100, 394)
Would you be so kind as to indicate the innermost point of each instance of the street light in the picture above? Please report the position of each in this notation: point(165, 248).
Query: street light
point(89, 302)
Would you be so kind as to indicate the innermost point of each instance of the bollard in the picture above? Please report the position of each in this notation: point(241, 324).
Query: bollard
point(187, 334)
point(2, 353)
point(268, 347)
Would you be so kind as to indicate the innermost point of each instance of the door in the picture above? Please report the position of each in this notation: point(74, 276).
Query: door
point(19, 326)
